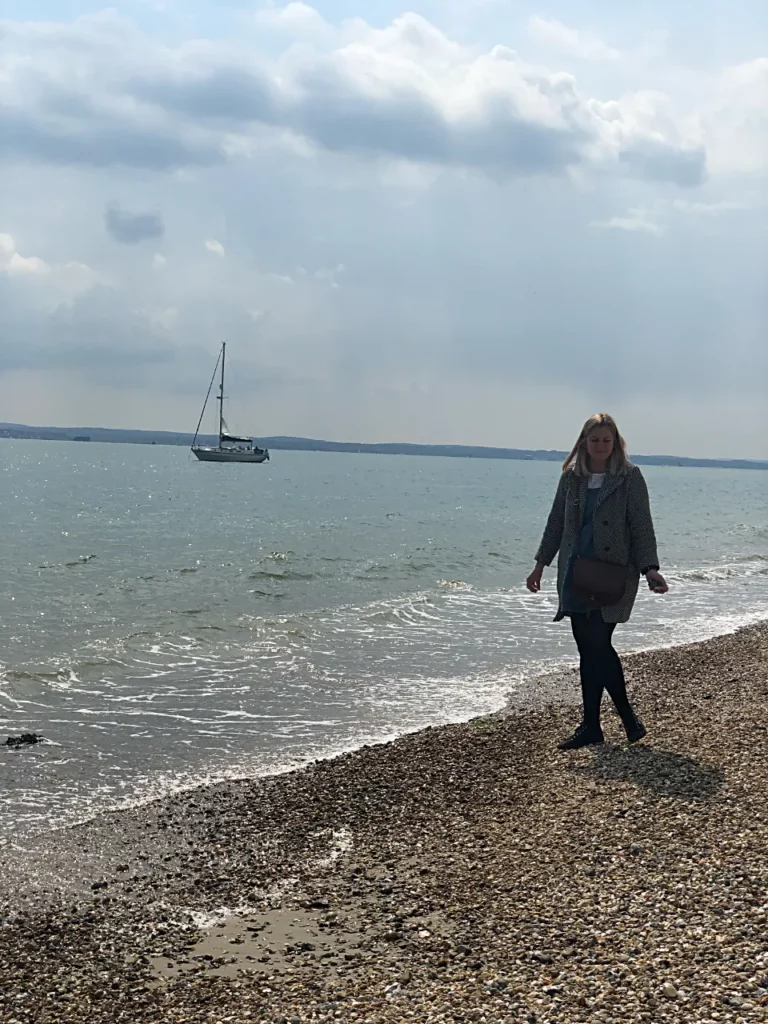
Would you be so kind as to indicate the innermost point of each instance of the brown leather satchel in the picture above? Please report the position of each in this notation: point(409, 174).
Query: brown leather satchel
point(601, 583)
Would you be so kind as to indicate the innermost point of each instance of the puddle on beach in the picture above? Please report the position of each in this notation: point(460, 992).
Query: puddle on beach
point(267, 942)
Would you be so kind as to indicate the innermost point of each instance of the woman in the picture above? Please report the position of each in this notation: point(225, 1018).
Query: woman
point(601, 511)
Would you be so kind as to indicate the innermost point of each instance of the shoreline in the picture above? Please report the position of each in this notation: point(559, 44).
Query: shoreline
point(182, 439)
point(554, 686)
point(550, 681)
point(461, 872)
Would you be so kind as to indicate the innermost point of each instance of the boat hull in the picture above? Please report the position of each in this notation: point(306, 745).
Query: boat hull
point(229, 455)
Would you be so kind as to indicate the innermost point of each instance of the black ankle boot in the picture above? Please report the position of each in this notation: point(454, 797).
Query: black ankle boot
point(634, 728)
point(585, 736)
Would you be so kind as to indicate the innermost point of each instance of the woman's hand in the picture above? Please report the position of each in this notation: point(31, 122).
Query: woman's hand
point(656, 582)
point(534, 580)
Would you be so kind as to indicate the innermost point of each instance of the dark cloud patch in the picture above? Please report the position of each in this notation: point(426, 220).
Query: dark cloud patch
point(404, 123)
point(658, 161)
point(224, 94)
point(98, 332)
point(132, 228)
point(100, 141)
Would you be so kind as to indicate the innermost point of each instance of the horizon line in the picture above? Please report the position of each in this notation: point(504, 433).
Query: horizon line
point(179, 435)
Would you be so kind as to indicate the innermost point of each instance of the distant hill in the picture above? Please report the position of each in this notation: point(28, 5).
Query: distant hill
point(309, 444)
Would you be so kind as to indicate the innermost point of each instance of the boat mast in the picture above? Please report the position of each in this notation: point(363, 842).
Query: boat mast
point(221, 390)
point(205, 403)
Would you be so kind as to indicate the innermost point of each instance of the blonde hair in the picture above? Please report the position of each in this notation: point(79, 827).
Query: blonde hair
point(618, 463)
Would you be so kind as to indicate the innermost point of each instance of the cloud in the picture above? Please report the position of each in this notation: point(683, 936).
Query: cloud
point(650, 220)
point(131, 228)
point(329, 275)
point(636, 220)
point(406, 92)
point(570, 41)
point(97, 330)
point(736, 120)
point(215, 247)
point(165, 318)
point(58, 280)
point(659, 161)
point(709, 209)
point(159, 261)
point(12, 262)
point(297, 18)
point(645, 135)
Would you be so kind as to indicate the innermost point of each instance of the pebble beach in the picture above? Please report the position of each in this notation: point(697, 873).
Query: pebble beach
point(463, 873)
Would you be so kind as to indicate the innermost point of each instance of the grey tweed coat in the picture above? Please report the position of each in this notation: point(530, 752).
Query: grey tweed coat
point(624, 532)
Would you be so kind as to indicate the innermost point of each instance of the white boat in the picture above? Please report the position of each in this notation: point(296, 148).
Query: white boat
point(230, 448)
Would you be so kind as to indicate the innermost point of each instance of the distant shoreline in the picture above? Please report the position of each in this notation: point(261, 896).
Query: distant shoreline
point(21, 431)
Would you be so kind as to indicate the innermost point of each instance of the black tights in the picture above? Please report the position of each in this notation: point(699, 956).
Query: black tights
point(600, 666)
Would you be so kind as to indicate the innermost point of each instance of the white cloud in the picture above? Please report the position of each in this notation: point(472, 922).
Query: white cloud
point(735, 121)
point(636, 220)
point(212, 245)
point(12, 262)
point(652, 220)
point(296, 17)
point(570, 41)
point(60, 279)
point(709, 209)
point(329, 275)
point(165, 318)
point(406, 92)
point(159, 261)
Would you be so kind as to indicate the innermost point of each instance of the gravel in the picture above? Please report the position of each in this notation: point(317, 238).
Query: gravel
point(466, 873)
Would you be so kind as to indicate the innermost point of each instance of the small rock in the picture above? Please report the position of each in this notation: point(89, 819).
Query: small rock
point(669, 990)
point(26, 739)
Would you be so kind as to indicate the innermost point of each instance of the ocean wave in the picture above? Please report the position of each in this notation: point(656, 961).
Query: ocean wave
point(500, 555)
point(266, 574)
point(82, 560)
point(279, 556)
point(741, 568)
point(406, 614)
point(750, 529)
point(75, 563)
point(58, 675)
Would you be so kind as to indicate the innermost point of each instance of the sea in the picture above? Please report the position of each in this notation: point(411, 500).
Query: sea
point(167, 623)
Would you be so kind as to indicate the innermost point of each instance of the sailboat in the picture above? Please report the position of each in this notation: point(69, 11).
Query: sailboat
point(230, 447)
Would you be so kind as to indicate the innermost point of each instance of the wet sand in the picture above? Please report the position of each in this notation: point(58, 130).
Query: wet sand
point(466, 873)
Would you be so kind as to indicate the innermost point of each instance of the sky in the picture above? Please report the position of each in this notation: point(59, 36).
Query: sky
point(457, 221)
